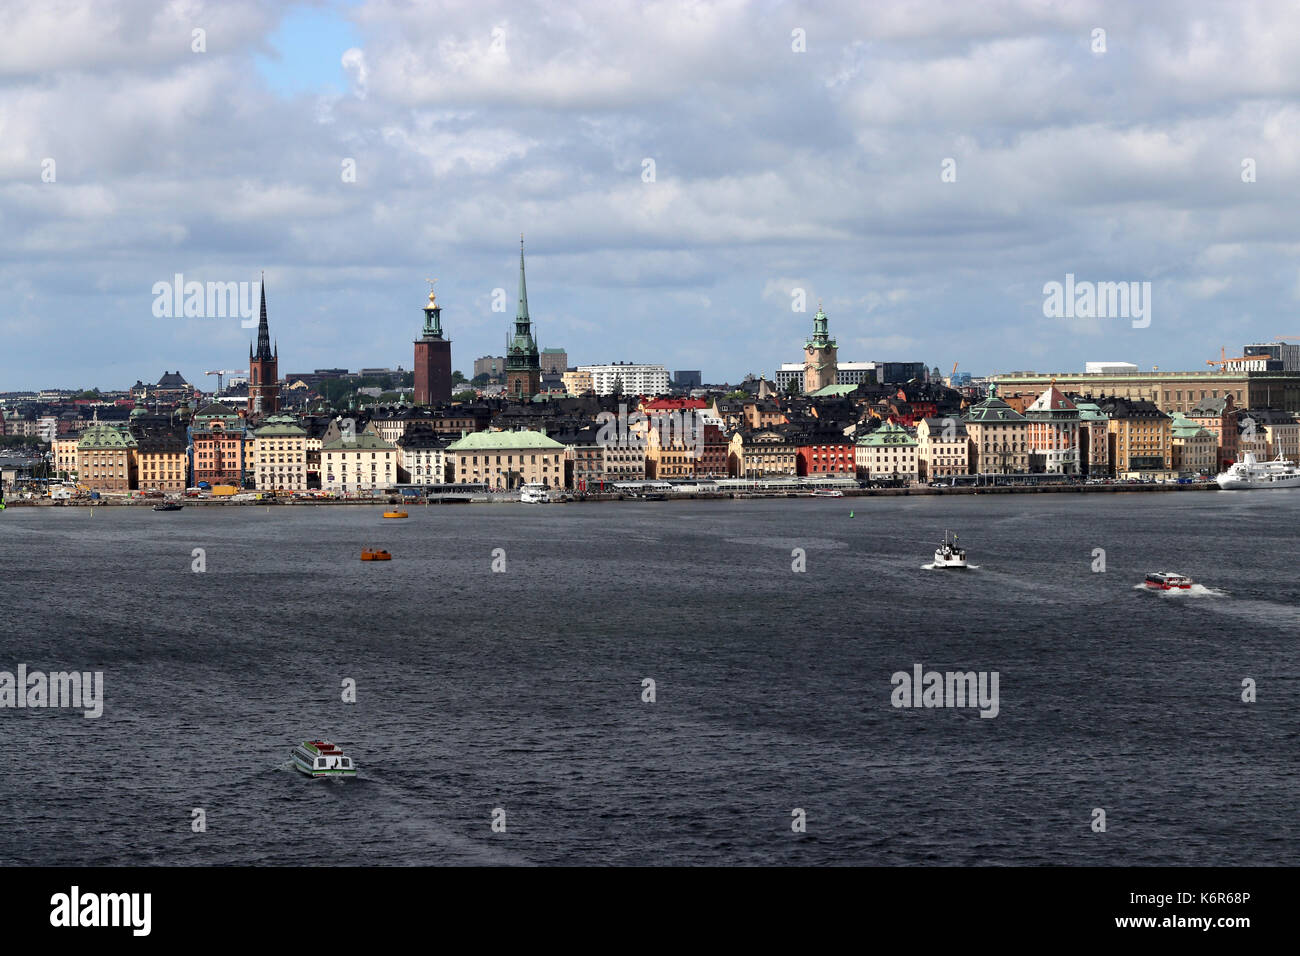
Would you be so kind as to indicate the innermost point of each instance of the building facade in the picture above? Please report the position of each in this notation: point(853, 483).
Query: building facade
point(999, 438)
point(358, 463)
point(278, 455)
point(1052, 432)
point(888, 453)
point(627, 378)
point(942, 448)
point(506, 460)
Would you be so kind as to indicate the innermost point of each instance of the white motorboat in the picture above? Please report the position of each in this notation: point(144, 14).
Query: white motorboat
point(948, 554)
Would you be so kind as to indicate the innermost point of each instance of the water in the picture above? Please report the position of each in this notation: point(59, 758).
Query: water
point(522, 690)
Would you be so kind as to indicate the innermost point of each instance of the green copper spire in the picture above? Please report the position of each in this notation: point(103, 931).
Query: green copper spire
point(522, 314)
point(821, 331)
point(432, 315)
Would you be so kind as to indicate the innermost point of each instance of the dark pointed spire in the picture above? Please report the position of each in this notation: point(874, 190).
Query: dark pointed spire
point(263, 329)
point(522, 314)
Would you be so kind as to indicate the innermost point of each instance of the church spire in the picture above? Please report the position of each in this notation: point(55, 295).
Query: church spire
point(263, 329)
point(522, 314)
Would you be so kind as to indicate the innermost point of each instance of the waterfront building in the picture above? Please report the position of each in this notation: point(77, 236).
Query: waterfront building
point(1052, 434)
point(161, 452)
point(713, 461)
point(424, 455)
point(218, 436)
point(888, 452)
point(628, 378)
point(670, 459)
point(822, 452)
point(1280, 429)
point(358, 462)
point(1094, 441)
point(819, 355)
point(1194, 448)
point(999, 438)
point(432, 358)
point(278, 454)
point(762, 453)
point(106, 458)
point(1139, 437)
point(64, 451)
point(523, 365)
point(263, 369)
point(942, 448)
point(506, 460)
point(1219, 415)
point(584, 458)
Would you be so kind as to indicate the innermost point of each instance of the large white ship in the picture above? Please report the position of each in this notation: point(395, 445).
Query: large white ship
point(1249, 473)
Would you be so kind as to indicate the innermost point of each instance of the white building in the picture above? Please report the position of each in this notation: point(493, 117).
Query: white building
point(846, 373)
point(278, 455)
point(1108, 368)
point(358, 463)
point(633, 379)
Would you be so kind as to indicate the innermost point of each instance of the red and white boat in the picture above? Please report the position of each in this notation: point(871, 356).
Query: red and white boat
point(1168, 581)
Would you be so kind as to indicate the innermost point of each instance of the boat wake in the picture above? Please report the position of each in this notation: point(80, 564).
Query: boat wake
point(1196, 590)
point(932, 566)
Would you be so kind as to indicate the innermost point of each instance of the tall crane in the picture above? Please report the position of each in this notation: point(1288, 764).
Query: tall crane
point(221, 373)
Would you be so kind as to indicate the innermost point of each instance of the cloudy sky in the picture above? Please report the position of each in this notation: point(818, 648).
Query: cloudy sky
point(793, 147)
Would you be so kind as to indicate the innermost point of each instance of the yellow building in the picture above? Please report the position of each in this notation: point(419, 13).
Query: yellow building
point(575, 383)
point(1140, 437)
point(762, 453)
point(106, 458)
point(64, 450)
point(506, 460)
point(999, 438)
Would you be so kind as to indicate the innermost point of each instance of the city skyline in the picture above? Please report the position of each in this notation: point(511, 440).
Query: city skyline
point(679, 173)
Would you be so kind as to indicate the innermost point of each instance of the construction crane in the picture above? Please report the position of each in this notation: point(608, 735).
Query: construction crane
point(221, 373)
point(1223, 361)
point(952, 377)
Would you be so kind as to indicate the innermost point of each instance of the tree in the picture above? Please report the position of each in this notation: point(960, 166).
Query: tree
point(466, 396)
point(793, 387)
point(479, 380)
point(617, 391)
point(458, 378)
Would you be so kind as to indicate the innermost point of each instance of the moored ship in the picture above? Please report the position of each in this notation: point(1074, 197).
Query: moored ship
point(1250, 474)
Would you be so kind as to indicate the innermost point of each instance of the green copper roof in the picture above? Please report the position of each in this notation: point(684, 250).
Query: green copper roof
point(278, 428)
point(887, 435)
point(104, 435)
point(993, 411)
point(832, 391)
point(491, 441)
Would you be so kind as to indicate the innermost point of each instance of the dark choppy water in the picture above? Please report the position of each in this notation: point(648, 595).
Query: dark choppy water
point(522, 690)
